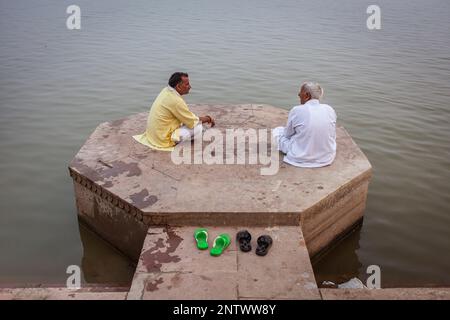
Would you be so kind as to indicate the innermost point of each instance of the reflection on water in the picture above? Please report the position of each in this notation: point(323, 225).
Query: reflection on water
point(101, 263)
point(341, 265)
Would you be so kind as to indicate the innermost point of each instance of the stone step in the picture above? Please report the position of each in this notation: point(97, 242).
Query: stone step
point(387, 294)
point(171, 267)
point(63, 293)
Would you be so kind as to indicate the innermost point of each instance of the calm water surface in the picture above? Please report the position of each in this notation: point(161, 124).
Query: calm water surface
point(390, 89)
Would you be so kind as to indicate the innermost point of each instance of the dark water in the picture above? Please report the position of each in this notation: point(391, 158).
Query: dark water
point(390, 88)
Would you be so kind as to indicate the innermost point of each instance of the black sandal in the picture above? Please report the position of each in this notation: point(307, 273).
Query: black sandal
point(264, 243)
point(243, 238)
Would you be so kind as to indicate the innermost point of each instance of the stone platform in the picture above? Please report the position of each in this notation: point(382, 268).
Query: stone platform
point(171, 267)
point(386, 294)
point(123, 187)
point(63, 293)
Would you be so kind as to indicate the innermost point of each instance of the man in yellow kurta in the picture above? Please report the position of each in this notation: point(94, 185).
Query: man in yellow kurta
point(170, 121)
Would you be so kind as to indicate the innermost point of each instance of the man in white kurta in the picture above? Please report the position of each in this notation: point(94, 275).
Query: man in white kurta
point(309, 139)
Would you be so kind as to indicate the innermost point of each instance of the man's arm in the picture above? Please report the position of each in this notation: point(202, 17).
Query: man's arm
point(182, 113)
point(289, 131)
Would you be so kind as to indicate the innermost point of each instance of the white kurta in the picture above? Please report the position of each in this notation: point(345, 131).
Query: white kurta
point(309, 139)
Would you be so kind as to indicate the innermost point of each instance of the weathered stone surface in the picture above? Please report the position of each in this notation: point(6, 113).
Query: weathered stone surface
point(174, 250)
point(191, 286)
point(285, 273)
point(63, 294)
point(117, 226)
point(219, 285)
point(387, 294)
point(112, 170)
point(171, 267)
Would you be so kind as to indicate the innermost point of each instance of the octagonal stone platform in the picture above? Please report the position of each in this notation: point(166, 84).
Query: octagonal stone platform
point(122, 187)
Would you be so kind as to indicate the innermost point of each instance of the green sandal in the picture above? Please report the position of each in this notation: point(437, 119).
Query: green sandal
point(220, 244)
point(201, 236)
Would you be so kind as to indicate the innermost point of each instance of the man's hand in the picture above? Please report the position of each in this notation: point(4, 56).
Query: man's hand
point(207, 119)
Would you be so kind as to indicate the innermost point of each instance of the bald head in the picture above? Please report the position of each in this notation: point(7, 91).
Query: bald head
point(310, 90)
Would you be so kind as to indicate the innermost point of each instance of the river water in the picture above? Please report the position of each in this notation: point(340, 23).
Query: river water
point(389, 87)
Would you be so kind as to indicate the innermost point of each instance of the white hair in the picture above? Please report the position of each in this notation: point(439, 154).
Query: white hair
point(313, 88)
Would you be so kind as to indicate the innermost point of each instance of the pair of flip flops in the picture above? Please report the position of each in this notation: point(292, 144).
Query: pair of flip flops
point(264, 242)
point(221, 242)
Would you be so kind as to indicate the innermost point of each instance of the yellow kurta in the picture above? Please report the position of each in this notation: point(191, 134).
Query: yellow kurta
point(168, 113)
